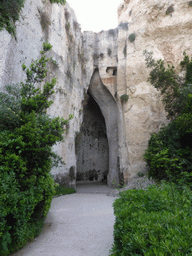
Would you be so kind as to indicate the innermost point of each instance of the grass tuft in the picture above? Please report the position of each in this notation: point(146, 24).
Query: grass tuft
point(62, 190)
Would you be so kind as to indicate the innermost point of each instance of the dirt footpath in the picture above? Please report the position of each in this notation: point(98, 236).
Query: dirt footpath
point(80, 224)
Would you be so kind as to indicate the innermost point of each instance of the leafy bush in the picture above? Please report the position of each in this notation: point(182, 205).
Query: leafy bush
point(9, 14)
point(27, 135)
point(174, 89)
point(156, 221)
point(170, 10)
point(58, 1)
point(62, 190)
point(169, 153)
point(10, 10)
point(168, 157)
point(190, 3)
point(132, 37)
point(124, 98)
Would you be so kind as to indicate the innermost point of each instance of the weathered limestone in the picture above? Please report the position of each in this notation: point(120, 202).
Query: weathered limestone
point(57, 24)
point(167, 35)
point(107, 65)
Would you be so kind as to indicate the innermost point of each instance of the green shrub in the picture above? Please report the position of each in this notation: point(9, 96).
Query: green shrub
point(170, 10)
point(156, 221)
point(47, 47)
point(124, 98)
point(174, 90)
point(132, 37)
point(190, 3)
point(62, 190)
point(169, 153)
point(168, 157)
point(27, 135)
point(58, 1)
point(9, 14)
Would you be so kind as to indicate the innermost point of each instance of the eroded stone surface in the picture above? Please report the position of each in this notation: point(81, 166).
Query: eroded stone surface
point(121, 70)
point(91, 143)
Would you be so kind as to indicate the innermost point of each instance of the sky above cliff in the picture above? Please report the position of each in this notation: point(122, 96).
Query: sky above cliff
point(95, 15)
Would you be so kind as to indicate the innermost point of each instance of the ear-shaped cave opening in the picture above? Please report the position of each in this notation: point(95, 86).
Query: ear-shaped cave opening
point(92, 149)
point(112, 71)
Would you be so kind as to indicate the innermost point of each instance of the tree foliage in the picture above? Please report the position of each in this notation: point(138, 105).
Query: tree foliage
point(27, 134)
point(174, 88)
point(169, 153)
point(58, 1)
point(10, 11)
point(9, 14)
point(169, 156)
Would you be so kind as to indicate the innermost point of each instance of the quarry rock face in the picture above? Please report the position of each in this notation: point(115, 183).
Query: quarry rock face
point(105, 71)
point(162, 27)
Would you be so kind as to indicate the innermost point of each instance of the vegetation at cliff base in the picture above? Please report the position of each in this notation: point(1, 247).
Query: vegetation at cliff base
point(169, 153)
point(27, 134)
point(63, 190)
point(158, 220)
point(58, 1)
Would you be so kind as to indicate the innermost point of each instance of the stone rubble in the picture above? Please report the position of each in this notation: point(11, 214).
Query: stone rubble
point(135, 183)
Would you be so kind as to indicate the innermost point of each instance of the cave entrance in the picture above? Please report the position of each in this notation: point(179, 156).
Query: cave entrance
point(92, 148)
point(107, 123)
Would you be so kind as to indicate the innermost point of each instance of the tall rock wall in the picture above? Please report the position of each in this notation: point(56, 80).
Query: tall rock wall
point(163, 27)
point(42, 21)
point(107, 65)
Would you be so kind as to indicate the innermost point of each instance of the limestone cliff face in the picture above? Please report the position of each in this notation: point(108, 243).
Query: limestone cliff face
point(163, 27)
point(107, 65)
point(42, 21)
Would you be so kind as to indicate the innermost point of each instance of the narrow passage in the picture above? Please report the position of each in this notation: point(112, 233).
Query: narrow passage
point(80, 224)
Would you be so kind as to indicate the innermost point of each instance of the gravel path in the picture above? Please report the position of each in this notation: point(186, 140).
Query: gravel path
point(80, 224)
